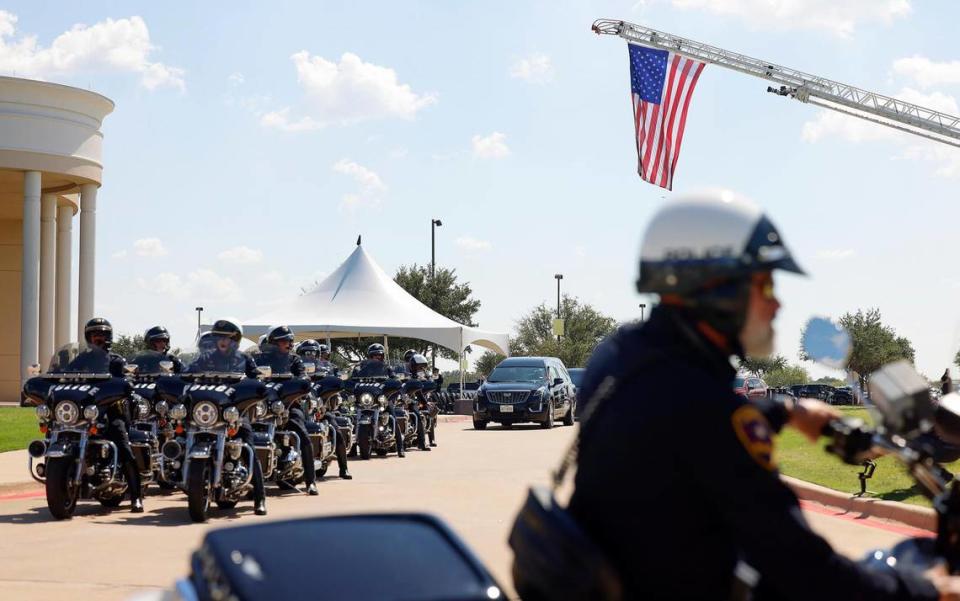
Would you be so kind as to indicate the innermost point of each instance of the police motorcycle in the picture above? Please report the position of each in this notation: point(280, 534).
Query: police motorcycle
point(277, 448)
point(374, 396)
point(418, 392)
point(155, 390)
point(326, 400)
point(73, 459)
point(908, 425)
point(217, 465)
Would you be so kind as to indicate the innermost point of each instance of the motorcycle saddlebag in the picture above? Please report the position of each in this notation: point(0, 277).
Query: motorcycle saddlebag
point(554, 559)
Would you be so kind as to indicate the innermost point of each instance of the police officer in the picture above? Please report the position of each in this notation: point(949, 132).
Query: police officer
point(157, 339)
point(319, 354)
point(275, 353)
point(713, 495)
point(98, 334)
point(220, 352)
point(375, 366)
point(418, 368)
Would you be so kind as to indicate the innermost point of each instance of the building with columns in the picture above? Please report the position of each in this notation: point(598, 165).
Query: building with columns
point(50, 171)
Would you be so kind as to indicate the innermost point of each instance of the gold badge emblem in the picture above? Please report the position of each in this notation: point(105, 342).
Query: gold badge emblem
point(755, 434)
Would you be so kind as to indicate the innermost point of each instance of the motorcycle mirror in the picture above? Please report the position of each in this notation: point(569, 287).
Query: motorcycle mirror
point(264, 371)
point(947, 418)
point(826, 343)
point(902, 397)
point(130, 369)
point(166, 367)
point(33, 370)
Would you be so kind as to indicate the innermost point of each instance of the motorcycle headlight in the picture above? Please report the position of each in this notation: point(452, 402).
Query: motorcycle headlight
point(260, 409)
point(161, 408)
point(90, 413)
point(366, 399)
point(179, 411)
point(231, 414)
point(382, 401)
point(143, 409)
point(205, 414)
point(311, 405)
point(276, 407)
point(43, 413)
point(67, 412)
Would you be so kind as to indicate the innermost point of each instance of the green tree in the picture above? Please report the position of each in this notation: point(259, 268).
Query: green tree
point(443, 293)
point(787, 375)
point(127, 346)
point(835, 382)
point(584, 328)
point(486, 363)
point(874, 343)
point(760, 366)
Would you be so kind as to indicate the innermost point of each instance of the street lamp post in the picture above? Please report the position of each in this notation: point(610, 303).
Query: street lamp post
point(434, 224)
point(559, 277)
point(642, 307)
point(199, 311)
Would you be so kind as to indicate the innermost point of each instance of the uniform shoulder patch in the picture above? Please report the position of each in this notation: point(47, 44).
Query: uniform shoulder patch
point(755, 434)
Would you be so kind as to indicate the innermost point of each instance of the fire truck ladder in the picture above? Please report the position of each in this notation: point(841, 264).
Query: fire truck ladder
point(801, 86)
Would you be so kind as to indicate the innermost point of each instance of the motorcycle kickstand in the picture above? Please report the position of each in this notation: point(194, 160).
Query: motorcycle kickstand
point(869, 466)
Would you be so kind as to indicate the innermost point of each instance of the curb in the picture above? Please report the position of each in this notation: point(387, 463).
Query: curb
point(454, 418)
point(923, 518)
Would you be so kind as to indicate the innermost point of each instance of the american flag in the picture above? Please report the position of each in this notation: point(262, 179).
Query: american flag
point(662, 84)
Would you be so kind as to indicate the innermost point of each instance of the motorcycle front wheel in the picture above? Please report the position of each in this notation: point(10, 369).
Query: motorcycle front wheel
point(61, 490)
point(198, 490)
point(365, 441)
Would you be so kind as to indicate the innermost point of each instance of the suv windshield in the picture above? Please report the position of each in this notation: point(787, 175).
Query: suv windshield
point(518, 374)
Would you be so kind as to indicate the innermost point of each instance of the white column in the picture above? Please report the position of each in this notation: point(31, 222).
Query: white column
point(30, 276)
point(88, 255)
point(64, 275)
point(48, 281)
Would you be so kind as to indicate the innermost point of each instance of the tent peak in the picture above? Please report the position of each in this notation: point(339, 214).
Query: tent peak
point(358, 239)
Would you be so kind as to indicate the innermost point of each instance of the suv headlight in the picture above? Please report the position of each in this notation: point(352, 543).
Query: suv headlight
point(67, 412)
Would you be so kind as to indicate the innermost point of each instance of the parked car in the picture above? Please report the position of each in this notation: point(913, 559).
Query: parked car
point(841, 396)
point(576, 374)
point(526, 389)
point(750, 387)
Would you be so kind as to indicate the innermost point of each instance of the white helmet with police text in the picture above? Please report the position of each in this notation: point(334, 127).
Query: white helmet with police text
point(705, 239)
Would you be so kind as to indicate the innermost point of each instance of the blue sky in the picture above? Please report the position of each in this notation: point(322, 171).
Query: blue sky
point(251, 144)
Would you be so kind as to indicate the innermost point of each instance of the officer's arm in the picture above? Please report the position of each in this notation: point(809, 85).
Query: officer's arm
point(177, 365)
point(296, 366)
point(116, 366)
point(249, 366)
point(765, 517)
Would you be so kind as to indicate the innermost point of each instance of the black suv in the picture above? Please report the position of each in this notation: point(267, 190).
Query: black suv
point(526, 389)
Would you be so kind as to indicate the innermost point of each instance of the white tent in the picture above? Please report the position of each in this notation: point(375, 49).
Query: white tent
point(360, 299)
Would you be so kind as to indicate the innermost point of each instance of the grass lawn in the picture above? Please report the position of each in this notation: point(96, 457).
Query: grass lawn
point(800, 459)
point(18, 426)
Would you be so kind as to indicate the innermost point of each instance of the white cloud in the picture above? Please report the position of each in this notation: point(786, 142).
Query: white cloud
point(370, 184)
point(120, 254)
point(346, 92)
point(839, 18)
point(121, 45)
point(927, 73)
point(202, 285)
point(149, 247)
point(493, 146)
point(236, 79)
point(535, 68)
point(472, 244)
point(835, 254)
point(241, 255)
point(168, 285)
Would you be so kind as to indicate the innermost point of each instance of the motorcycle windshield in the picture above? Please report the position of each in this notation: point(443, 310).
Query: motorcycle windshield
point(80, 359)
point(149, 362)
point(215, 355)
point(270, 356)
point(373, 369)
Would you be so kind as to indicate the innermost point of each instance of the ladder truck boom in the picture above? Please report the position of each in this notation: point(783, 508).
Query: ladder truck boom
point(801, 86)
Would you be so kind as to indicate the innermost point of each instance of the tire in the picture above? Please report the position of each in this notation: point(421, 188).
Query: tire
point(365, 441)
point(569, 417)
point(61, 491)
point(322, 470)
point(198, 490)
point(479, 424)
point(547, 424)
point(111, 502)
point(226, 504)
point(164, 485)
point(381, 452)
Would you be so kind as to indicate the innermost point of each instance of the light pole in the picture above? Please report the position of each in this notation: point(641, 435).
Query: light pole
point(559, 277)
point(199, 311)
point(642, 307)
point(434, 224)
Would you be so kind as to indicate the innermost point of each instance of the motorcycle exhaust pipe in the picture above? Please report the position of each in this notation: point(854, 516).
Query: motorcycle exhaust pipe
point(171, 450)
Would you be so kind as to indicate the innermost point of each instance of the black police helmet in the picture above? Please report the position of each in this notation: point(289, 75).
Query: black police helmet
point(98, 325)
point(418, 363)
point(308, 347)
point(225, 327)
point(324, 349)
point(156, 333)
point(278, 333)
point(375, 349)
point(407, 355)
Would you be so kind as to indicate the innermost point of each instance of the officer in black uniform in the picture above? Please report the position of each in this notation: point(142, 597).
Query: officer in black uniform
point(319, 354)
point(99, 336)
point(417, 368)
point(663, 389)
point(373, 367)
point(157, 339)
point(275, 353)
point(220, 352)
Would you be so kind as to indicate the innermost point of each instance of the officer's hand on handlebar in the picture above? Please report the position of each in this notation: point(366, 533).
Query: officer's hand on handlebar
point(809, 416)
point(948, 586)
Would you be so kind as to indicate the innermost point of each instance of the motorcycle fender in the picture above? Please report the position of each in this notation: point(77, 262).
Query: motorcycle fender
point(201, 451)
point(61, 448)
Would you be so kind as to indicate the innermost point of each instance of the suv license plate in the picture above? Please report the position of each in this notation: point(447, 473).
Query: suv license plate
point(506, 408)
